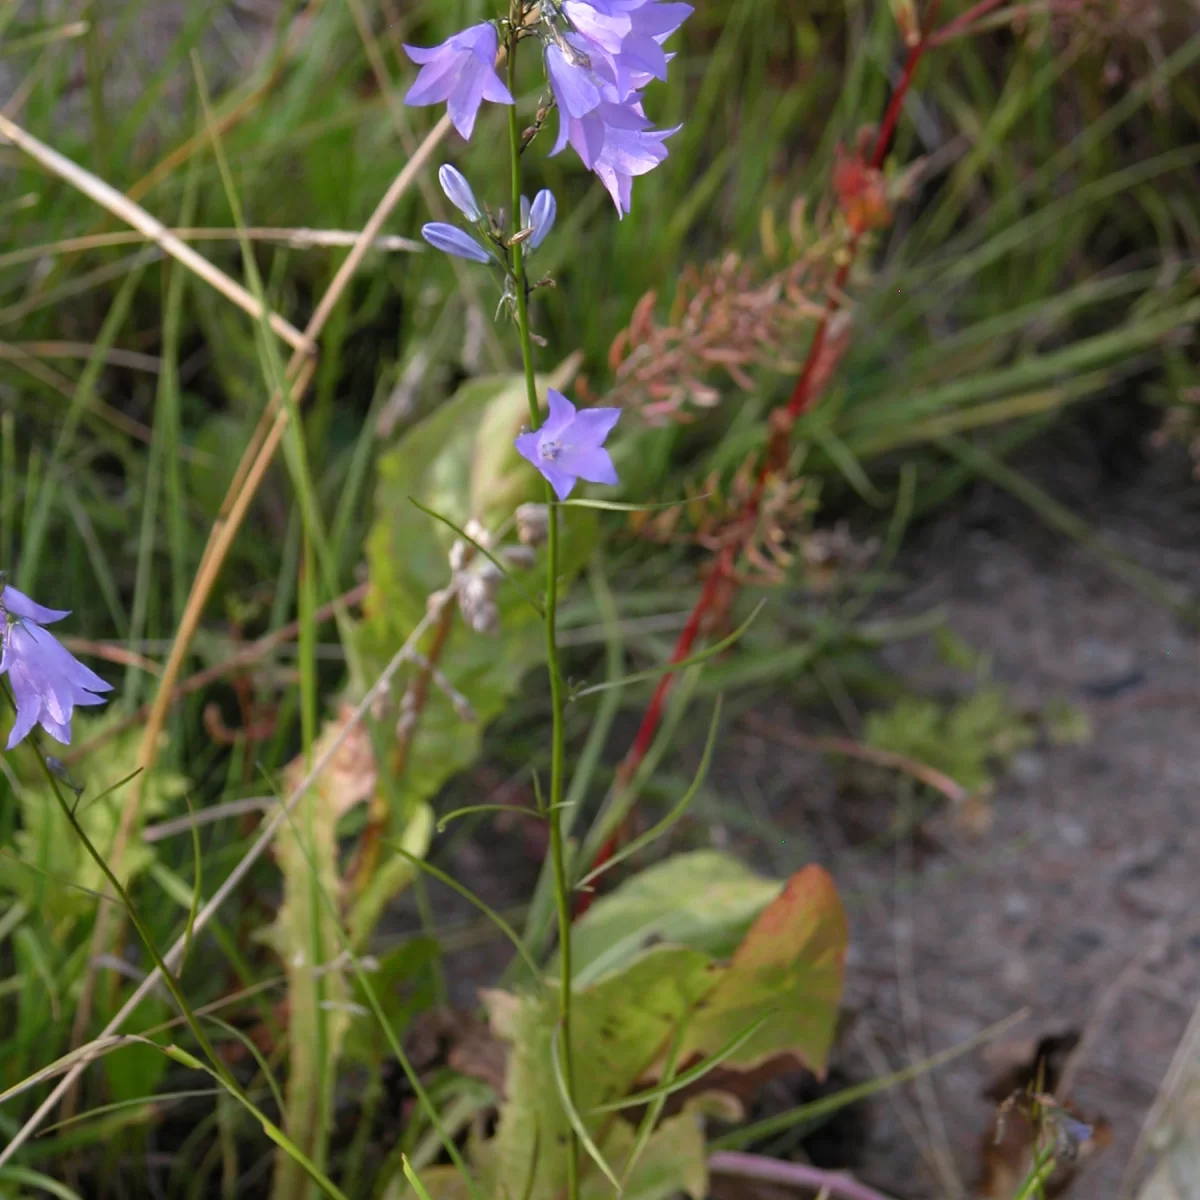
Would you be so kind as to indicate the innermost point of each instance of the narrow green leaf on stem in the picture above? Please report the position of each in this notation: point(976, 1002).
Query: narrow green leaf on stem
point(618, 506)
point(414, 1179)
point(492, 915)
point(668, 1087)
point(691, 661)
point(508, 809)
point(255, 1053)
point(654, 1109)
point(197, 875)
point(572, 1113)
point(656, 831)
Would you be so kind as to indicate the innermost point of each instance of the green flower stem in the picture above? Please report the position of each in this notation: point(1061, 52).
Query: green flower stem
point(220, 1070)
point(562, 887)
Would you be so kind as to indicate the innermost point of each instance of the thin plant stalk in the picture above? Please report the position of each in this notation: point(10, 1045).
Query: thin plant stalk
point(562, 885)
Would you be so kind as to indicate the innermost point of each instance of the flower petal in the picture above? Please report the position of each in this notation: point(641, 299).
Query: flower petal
point(28, 701)
point(593, 425)
point(527, 447)
point(562, 412)
point(20, 605)
point(573, 90)
point(494, 89)
point(592, 463)
point(559, 479)
point(435, 82)
point(464, 101)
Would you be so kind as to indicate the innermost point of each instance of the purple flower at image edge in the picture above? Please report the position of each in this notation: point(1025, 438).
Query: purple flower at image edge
point(570, 445)
point(48, 682)
point(460, 71)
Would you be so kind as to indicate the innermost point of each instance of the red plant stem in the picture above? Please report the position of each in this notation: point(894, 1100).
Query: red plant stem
point(774, 460)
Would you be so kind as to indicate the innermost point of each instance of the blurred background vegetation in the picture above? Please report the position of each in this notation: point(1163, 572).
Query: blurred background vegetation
point(1042, 257)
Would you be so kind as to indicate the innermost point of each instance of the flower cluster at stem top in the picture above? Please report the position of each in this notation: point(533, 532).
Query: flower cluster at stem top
point(599, 56)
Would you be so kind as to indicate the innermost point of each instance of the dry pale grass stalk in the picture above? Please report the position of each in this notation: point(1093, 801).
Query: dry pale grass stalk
point(36, 369)
point(247, 478)
point(150, 227)
point(297, 239)
point(266, 836)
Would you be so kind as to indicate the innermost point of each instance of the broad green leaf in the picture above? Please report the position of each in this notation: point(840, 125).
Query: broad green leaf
point(705, 899)
point(788, 970)
point(620, 1027)
point(782, 982)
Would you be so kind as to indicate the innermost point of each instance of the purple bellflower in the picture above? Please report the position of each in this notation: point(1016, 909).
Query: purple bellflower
point(570, 445)
point(597, 69)
point(622, 42)
point(48, 682)
point(462, 72)
point(449, 239)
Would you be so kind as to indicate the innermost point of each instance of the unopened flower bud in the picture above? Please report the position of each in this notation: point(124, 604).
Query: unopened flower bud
point(458, 192)
point(533, 523)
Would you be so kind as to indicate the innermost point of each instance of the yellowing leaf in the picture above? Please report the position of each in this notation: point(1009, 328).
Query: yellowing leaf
point(705, 899)
point(789, 970)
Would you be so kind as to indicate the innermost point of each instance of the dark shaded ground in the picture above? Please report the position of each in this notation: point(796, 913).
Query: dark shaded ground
point(1079, 903)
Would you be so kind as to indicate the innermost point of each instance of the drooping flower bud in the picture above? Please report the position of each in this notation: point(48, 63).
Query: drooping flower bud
point(449, 239)
point(541, 217)
point(458, 191)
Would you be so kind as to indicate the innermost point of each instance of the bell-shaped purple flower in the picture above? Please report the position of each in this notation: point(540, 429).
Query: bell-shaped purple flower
point(48, 682)
point(576, 88)
point(570, 445)
point(458, 191)
point(622, 42)
point(449, 239)
point(462, 72)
